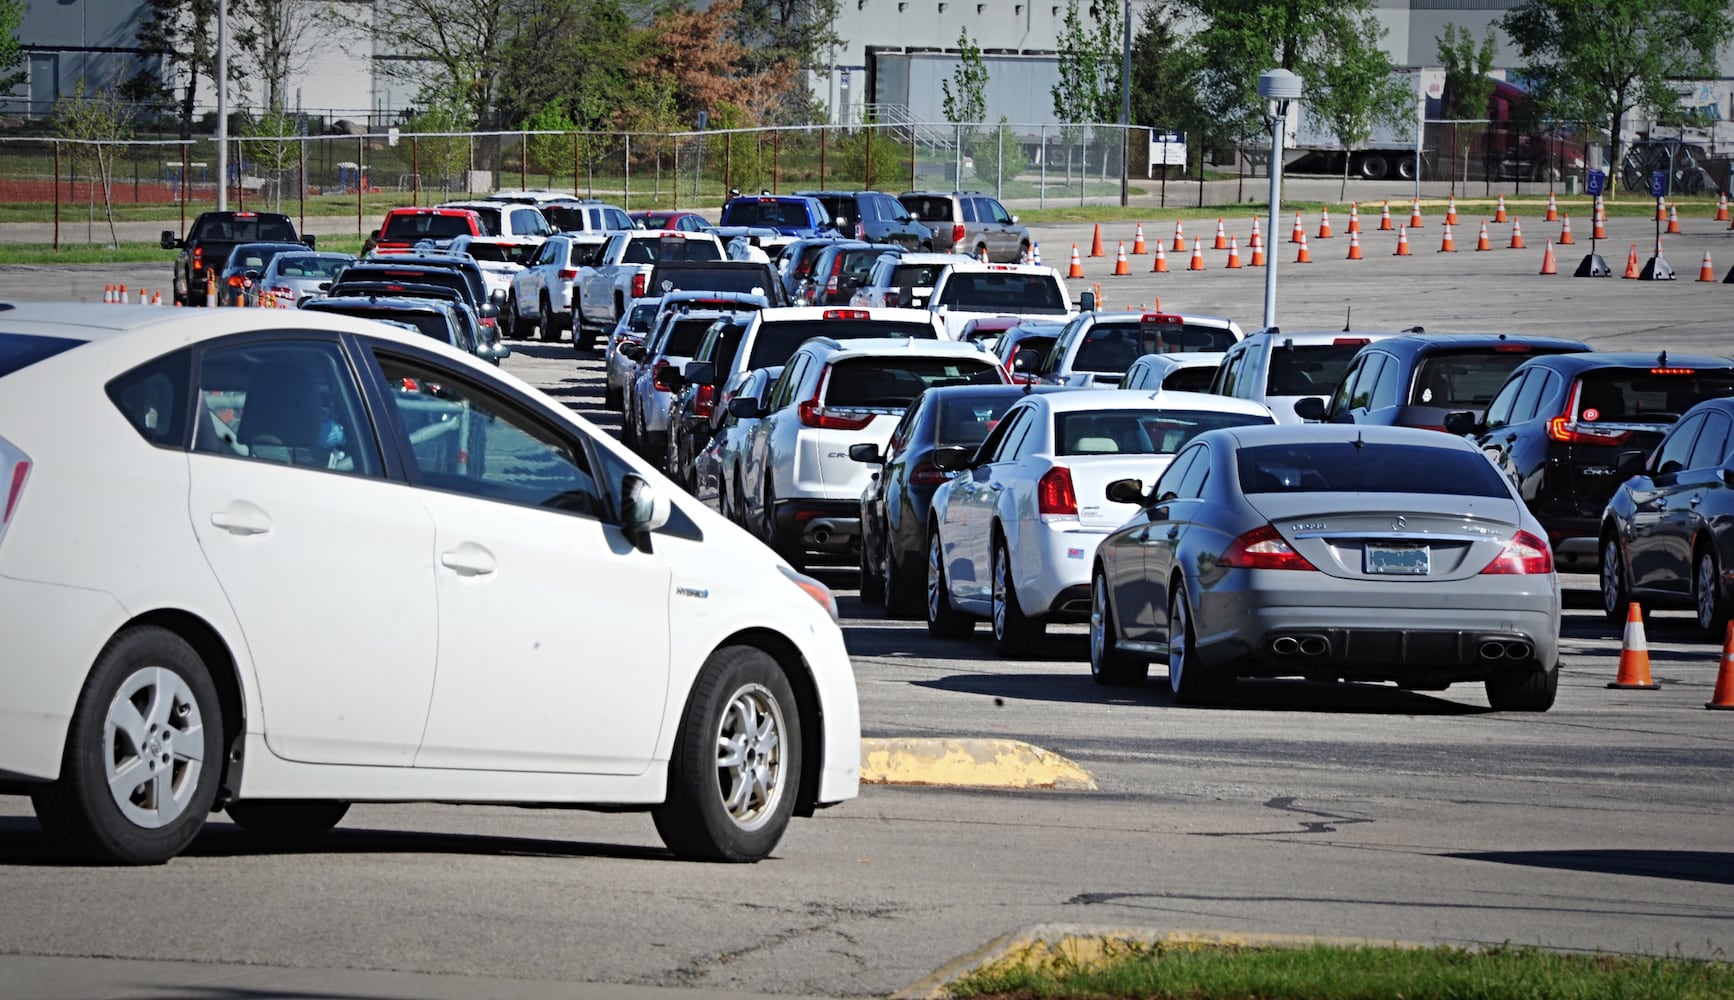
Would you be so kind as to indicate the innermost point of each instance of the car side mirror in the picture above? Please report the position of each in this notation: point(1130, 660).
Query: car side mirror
point(373, 235)
point(1631, 463)
point(251, 274)
point(1126, 491)
point(866, 452)
point(745, 408)
point(670, 379)
point(633, 352)
point(950, 458)
point(169, 242)
point(325, 286)
point(1087, 302)
point(1310, 408)
point(311, 241)
point(1014, 218)
point(699, 373)
point(497, 296)
point(642, 510)
point(1460, 422)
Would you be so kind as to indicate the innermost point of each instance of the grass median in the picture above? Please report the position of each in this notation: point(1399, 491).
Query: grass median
point(126, 253)
point(1328, 972)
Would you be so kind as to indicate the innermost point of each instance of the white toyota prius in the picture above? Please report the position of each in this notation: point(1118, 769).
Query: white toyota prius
point(278, 562)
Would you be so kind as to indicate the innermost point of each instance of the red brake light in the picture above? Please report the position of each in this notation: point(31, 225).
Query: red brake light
point(198, 257)
point(957, 233)
point(638, 282)
point(814, 415)
point(846, 314)
point(1054, 493)
point(1673, 371)
point(1524, 554)
point(1511, 348)
point(1161, 318)
point(234, 281)
point(20, 472)
point(1566, 431)
point(925, 473)
point(1262, 548)
point(1350, 342)
point(704, 401)
point(568, 273)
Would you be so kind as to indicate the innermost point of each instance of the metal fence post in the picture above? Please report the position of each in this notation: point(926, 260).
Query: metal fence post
point(57, 196)
point(414, 172)
point(957, 161)
point(1042, 189)
point(999, 167)
point(1084, 171)
point(626, 188)
point(185, 147)
point(360, 184)
point(868, 168)
point(776, 159)
point(523, 160)
point(301, 148)
point(822, 133)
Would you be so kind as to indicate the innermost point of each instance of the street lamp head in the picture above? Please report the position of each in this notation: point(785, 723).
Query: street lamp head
point(1280, 85)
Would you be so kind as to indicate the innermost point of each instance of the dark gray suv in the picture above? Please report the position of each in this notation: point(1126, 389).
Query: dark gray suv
point(874, 216)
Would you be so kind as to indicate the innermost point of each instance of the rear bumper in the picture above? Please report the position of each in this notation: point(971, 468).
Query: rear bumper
point(1054, 580)
point(53, 636)
point(820, 525)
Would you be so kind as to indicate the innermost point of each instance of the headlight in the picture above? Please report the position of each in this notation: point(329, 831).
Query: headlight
point(816, 590)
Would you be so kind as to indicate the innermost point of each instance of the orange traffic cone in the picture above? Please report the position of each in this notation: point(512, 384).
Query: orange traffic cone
point(1385, 219)
point(1302, 256)
point(1722, 207)
point(1096, 243)
point(107, 295)
point(1516, 235)
point(1548, 264)
point(1299, 234)
point(1402, 243)
point(1481, 242)
point(1451, 211)
point(1661, 210)
point(1723, 698)
point(1634, 654)
point(1255, 241)
point(1221, 237)
point(1138, 241)
point(1077, 268)
point(1600, 232)
point(1258, 256)
point(1179, 238)
point(1552, 210)
point(1120, 265)
point(156, 298)
point(1448, 245)
point(1631, 262)
point(1565, 239)
point(210, 287)
point(1354, 245)
point(1499, 210)
point(1324, 223)
point(1197, 256)
point(1415, 215)
point(1354, 217)
point(1704, 272)
point(1234, 254)
point(120, 294)
point(1161, 265)
point(1673, 218)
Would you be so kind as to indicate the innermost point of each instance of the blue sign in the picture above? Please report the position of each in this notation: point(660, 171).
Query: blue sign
point(1167, 136)
point(1598, 182)
point(1659, 184)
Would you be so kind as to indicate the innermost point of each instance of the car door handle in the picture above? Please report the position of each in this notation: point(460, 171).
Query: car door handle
point(242, 519)
point(1174, 532)
point(1696, 499)
point(1661, 503)
point(468, 559)
point(994, 487)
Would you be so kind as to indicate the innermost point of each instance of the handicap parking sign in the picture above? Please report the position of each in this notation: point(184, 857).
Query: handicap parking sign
point(1659, 184)
point(1597, 182)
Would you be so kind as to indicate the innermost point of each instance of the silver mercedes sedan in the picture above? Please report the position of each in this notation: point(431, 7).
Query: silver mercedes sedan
point(1329, 552)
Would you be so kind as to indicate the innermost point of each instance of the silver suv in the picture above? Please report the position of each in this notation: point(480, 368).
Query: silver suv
point(968, 222)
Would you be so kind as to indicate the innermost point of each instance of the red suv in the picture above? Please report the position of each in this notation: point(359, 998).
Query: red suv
point(405, 229)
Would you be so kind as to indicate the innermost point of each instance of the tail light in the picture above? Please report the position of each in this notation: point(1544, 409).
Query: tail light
point(846, 314)
point(283, 291)
point(1524, 554)
point(1262, 548)
point(198, 258)
point(814, 415)
point(236, 281)
point(638, 283)
point(925, 473)
point(489, 322)
point(704, 401)
point(658, 372)
point(957, 233)
point(836, 270)
point(1054, 493)
point(14, 470)
point(1565, 430)
point(568, 273)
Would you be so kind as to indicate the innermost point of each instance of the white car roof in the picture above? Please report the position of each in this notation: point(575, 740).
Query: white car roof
point(155, 330)
point(1101, 318)
point(936, 258)
point(886, 313)
point(1313, 338)
point(1164, 399)
point(971, 265)
point(910, 347)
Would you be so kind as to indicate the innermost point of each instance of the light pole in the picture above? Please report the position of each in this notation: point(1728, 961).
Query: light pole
point(1279, 87)
point(1125, 105)
point(222, 105)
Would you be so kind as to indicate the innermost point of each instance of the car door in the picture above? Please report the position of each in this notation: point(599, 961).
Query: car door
point(1002, 240)
point(993, 492)
point(1124, 556)
point(756, 455)
point(553, 627)
point(1169, 525)
point(326, 562)
point(526, 284)
point(1663, 521)
point(964, 515)
point(1703, 490)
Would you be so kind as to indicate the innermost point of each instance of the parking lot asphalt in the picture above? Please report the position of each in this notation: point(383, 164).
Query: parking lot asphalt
point(1358, 811)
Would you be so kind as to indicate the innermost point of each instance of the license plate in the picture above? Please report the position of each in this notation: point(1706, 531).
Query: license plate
point(1398, 560)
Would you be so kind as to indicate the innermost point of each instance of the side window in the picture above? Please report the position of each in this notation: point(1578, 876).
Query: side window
point(869, 209)
point(1340, 398)
point(1168, 486)
point(1191, 485)
point(288, 402)
point(1677, 447)
point(1361, 395)
point(1712, 443)
point(900, 433)
point(1529, 400)
point(991, 445)
point(1499, 411)
point(153, 398)
point(550, 251)
point(1025, 438)
point(995, 212)
point(1386, 388)
point(464, 439)
point(968, 206)
point(1230, 377)
point(784, 393)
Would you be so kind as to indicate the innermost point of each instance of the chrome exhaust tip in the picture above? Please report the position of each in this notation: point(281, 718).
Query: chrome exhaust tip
point(1285, 645)
point(1314, 645)
point(1492, 650)
point(1518, 651)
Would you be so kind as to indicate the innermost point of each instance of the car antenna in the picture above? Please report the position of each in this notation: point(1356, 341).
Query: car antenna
point(1662, 360)
point(1359, 444)
point(1349, 319)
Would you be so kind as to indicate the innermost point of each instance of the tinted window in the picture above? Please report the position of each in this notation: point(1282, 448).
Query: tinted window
point(1192, 484)
point(968, 205)
point(425, 225)
point(1139, 432)
point(915, 275)
point(18, 350)
point(1189, 379)
point(1308, 370)
point(685, 335)
point(895, 382)
point(152, 397)
point(1005, 291)
point(1168, 486)
point(1638, 396)
point(1344, 467)
point(719, 279)
point(465, 440)
point(766, 213)
point(967, 419)
point(430, 324)
point(1677, 446)
point(1462, 380)
point(1499, 411)
point(1367, 380)
point(308, 266)
point(724, 345)
point(1106, 345)
point(776, 341)
point(287, 403)
point(496, 252)
point(418, 276)
point(928, 208)
point(641, 316)
point(244, 228)
point(1712, 443)
point(490, 220)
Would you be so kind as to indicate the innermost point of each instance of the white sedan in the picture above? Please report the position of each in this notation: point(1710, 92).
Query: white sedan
point(275, 563)
point(1014, 532)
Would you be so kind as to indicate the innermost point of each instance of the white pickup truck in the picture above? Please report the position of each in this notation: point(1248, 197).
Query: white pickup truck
point(893, 272)
point(620, 272)
point(972, 290)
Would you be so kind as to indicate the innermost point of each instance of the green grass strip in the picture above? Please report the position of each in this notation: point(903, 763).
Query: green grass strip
point(1322, 972)
point(126, 253)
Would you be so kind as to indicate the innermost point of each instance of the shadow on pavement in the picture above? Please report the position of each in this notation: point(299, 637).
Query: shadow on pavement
point(1687, 866)
point(1249, 695)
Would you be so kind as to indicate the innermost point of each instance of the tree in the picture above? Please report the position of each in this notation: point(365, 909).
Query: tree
point(11, 52)
point(1088, 89)
point(184, 34)
point(442, 156)
point(265, 140)
point(92, 120)
point(1467, 83)
point(967, 104)
point(547, 153)
point(458, 45)
point(1597, 62)
point(1357, 95)
point(1163, 70)
point(998, 157)
point(795, 33)
point(275, 36)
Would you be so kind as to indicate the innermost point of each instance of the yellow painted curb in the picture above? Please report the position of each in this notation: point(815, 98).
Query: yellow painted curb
point(968, 763)
point(1075, 945)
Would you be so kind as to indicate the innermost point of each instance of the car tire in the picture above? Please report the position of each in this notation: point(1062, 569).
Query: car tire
point(1189, 680)
point(736, 767)
point(1616, 592)
point(1015, 634)
point(780, 543)
point(1523, 690)
point(943, 620)
point(509, 318)
point(872, 581)
point(286, 817)
point(1707, 596)
point(524, 328)
point(1109, 666)
point(903, 592)
point(613, 398)
point(147, 687)
point(547, 328)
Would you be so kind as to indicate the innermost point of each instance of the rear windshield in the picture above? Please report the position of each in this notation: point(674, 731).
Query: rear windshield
point(649, 251)
point(429, 276)
point(719, 279)
point(1190, 379)
point(1003, 291)
point(1112, 347)
point(1309, 370)
point(775, 342)
point(499, 253)
point(967, 418)
point(683, 340)
point(19, 350)
point(1139, 432)
point(1345, 467)
point(425, 226)
point(930, 209)
point(857, 264)
point(309, 266)
point(567, 217)
point(641, 316)
point(767, 213)
point(257, 229)
point(429, 324)
point(916, 275)
point(1463, 379)
point(895, 382)
point(1636, 395)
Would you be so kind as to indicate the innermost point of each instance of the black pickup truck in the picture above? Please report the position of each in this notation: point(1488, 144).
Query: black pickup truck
point(207, 246)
